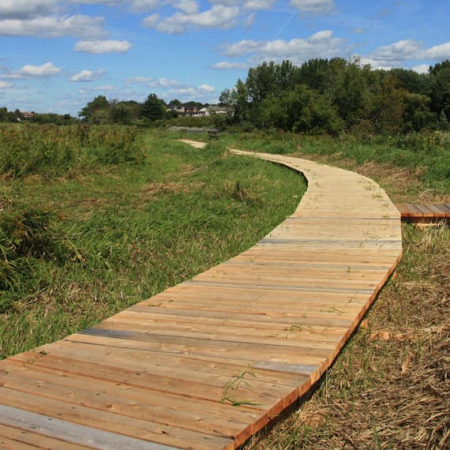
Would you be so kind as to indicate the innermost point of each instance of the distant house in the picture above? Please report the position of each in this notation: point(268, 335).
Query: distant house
point(27, 115)
point(210, 110)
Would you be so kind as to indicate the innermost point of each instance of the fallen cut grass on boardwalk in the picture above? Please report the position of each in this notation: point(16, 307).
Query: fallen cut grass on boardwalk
point(389, 389)
point(92, 244)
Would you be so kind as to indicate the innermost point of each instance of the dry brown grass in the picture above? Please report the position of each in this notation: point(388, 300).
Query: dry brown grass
point(390, 387)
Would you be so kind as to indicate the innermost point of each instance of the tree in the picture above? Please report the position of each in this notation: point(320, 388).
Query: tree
point(98, 104)
point(153, 108)
point(440, 88)
point(174, 104)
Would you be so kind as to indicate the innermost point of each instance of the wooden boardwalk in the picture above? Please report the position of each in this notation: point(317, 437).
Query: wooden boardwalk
point(424, 213)
point(208, 363)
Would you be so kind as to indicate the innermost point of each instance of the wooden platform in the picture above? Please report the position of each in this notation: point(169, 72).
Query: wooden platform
point(208, 363)
point(424, 213)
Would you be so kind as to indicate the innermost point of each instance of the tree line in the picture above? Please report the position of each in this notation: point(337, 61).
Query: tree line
point(320, 96)
point(333, 95)
point(100, 111)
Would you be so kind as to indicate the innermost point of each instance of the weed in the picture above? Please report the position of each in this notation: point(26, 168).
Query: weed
point(237, 382)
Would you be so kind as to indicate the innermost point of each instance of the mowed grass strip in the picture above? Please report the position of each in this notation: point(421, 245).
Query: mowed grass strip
point(92, 244)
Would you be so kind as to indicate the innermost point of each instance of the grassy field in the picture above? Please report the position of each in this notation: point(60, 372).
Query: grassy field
point(79, 244)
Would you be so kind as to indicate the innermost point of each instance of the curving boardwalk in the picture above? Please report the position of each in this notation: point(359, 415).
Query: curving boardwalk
point(207, 363)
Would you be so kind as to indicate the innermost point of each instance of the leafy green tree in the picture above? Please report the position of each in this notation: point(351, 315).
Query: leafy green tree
point(440, 88)
point(153, 108)
point(174, 104)
point(302, 110)
point(92, 108)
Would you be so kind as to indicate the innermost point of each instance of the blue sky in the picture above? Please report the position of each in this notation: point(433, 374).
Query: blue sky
point(55, 56)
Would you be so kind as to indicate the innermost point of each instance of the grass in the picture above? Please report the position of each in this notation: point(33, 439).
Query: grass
point(78, 247)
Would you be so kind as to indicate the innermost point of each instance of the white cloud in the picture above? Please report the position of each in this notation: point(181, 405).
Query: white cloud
point(313, 6)
point(25, 9)
point(226, 65)
point(164, 83)
point(421, 68)
point(187, 6)
point(151, 21)
point(52, 27)
point(395, 55)
point(105, 46)
point(192, 93)
point(207, 88)
point(439, 52)
point(320, 45)
point(139, 6)
point(398, 51)
point(218, 16)
point(29, 71)
point(246, 4)
point(5, 85)
point(258, 4)
point(87, 75)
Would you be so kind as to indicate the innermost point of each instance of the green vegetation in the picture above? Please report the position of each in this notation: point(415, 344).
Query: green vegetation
point(336, 95)
point(79, 245)
point(52, 151)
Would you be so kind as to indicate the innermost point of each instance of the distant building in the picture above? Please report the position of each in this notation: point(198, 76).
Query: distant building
point(192, 111)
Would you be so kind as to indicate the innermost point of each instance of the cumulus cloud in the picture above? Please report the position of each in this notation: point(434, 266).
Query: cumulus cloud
point(313, 6)
point(87, 75)
point(439, 52)
point(207, 88)
point(398, 51)
point(219, 16)
point(103, 46)
point(395, 55)
point(29, 71)
point(24, 9)
point(52, 26)
point(320, 45)
point(227, 65)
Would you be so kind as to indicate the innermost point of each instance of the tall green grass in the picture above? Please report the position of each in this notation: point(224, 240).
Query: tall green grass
point(52, 150)
point(427, 151)
point(122, 233)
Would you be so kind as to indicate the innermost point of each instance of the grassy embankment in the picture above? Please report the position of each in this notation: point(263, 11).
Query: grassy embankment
point(88, 229)
point(390, 387)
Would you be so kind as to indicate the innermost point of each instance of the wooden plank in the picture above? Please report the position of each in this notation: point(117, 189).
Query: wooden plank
point(166, 379)
point(56, 434)
point(17, 436)
point(111, 422)
point(434, 209)
point(415, 212)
